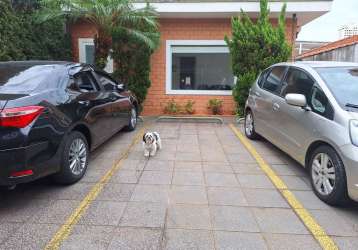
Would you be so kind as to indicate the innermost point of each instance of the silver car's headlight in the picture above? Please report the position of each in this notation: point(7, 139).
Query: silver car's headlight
point(353, 131)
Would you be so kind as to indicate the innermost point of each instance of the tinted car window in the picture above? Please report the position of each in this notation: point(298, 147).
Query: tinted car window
point(273, 80)
point(105, 81)
point(84, 82)
point(28, 78)
point(319, 103)
point(297, 82)
point(262, 77)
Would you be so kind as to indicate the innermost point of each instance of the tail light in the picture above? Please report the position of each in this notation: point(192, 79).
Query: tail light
point(19, 117)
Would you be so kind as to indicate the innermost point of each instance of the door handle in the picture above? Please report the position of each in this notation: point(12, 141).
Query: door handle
point(84, 102)
point(276, 106)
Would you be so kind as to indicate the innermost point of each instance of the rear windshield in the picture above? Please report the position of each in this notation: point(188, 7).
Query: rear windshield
point(343, 83)
point(26, 79)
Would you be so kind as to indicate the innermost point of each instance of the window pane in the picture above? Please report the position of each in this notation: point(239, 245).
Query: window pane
point(201, 71)
point(273, 80)
point(89, 54)
point(297, 82)
point(343, 82)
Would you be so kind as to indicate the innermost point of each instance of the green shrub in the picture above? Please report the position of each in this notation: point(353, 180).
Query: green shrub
point(172, 108)
point(23, 38)
point(255, 46)
point(215, 105)
point(131, 57)
point(189, 107)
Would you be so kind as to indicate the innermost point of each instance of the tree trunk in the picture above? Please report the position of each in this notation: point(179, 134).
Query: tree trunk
point(103, 44)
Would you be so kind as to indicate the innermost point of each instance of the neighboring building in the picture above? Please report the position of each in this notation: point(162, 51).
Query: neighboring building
point(192, 62)
point(345, 50)
point(348, 30)
point(304, 46)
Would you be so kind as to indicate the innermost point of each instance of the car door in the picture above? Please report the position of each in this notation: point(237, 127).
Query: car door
point(299, 125)
point(265, 100)
point(93, 105)
point(121, 104)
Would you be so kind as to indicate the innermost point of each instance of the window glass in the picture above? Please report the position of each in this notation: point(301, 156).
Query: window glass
point(89, 52)
point(273, 80)
point(343, 83)
point(262, 77)
point(27, 78)
point(84, 82)
point(320, 104)
point(106, 82)
point(202, 71)
point(297, 82)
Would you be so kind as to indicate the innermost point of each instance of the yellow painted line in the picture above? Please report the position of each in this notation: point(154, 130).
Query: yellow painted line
point(316, 230)
point(73, 219)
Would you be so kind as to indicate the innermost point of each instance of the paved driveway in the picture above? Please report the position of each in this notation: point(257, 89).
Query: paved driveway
point(202, 191)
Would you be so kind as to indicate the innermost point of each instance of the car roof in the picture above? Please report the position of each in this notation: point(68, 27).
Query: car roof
point(72, 67)
point(319, 64)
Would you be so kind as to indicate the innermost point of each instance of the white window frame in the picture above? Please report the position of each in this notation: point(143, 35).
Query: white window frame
point(82, 42)
point(203, 43)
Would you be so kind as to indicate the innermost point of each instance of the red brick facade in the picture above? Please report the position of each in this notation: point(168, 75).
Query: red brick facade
point(178, 29)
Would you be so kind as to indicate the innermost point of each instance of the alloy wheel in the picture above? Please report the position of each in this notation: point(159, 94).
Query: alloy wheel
point(133, 117)
point(249, 124)
point(77, 156)
point(323, 174)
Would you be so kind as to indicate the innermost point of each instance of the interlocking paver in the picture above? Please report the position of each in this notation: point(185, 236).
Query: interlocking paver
point(226, 196)
point(221, 180)
point(151, 193)
point(143, 214)
point(202, 190)
point(292, 242)
point(229, 218)
point(239, 241)
point(188, 216)
point(188, 239)
point(188, 195)
point(279, 220)
point(135, 239)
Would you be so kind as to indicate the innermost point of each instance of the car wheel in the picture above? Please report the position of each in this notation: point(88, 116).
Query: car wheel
point(132, 120)
point(74, 159)
point(250, 126)
point(328, 176)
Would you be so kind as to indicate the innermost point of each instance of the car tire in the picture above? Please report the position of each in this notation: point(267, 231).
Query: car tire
point(249, 126)
point(132, 123)
point(328, 176)
point(74, 159)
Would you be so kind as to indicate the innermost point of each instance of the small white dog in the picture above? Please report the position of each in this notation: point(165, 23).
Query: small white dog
point(151, 143)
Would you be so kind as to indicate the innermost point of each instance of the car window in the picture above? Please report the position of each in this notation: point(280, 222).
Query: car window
point(262, 78)
point(84, 82)
point(297, 82)
point(319, 103)
point(273, 80)
point(105, 81)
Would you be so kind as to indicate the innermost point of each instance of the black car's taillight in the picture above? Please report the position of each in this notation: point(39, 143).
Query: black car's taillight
point(19, 117)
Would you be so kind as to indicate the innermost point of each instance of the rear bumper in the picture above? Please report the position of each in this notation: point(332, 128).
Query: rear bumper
point(21, 159)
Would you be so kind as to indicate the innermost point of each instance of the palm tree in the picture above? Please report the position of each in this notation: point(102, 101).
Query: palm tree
point(112, 18)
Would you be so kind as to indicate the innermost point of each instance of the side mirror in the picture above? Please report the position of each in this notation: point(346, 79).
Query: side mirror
point(120, 87)
point(298, 100)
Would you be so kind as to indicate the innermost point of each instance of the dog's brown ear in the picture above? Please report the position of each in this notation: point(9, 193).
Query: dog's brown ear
point(144, 137)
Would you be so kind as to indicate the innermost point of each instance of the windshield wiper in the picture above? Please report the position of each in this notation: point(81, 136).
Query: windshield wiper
point(350, 105)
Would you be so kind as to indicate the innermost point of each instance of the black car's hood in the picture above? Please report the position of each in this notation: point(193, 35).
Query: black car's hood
point(5, 98)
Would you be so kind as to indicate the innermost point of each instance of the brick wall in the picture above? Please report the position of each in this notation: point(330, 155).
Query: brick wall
point(188, 29)
point(176, 29)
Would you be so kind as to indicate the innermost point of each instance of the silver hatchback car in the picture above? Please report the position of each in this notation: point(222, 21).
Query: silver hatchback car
point(310, 111)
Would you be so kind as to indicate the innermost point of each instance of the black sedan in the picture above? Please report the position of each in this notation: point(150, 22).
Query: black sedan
point(52, 114)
